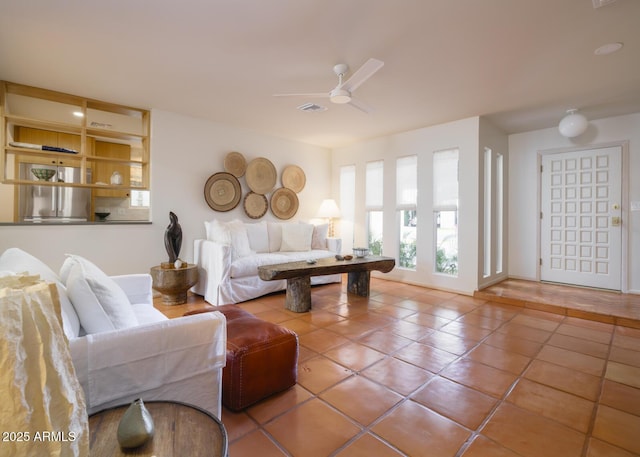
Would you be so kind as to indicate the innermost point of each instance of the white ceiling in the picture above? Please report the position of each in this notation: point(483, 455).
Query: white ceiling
point(522, 63)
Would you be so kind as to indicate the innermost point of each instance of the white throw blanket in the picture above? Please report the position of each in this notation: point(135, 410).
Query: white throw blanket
point(42, 406)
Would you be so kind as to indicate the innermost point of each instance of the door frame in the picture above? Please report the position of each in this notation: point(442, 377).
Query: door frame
point(624, 255)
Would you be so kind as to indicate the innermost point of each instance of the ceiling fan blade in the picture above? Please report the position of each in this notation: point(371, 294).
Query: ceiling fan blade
point(362, 106)
point(362, 74)
point(314, 95)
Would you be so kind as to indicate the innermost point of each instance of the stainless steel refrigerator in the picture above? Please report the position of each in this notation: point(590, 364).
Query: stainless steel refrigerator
point(53, 204)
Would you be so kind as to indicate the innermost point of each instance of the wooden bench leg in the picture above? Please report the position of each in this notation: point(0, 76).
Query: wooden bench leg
point(298, 294)
point(358, 283)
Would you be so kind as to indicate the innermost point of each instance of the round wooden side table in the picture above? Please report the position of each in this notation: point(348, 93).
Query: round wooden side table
point(173, 283)
point(180, 430)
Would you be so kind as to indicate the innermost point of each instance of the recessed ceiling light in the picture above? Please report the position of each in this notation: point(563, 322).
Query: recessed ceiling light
point(78, 114)
point(608, 48)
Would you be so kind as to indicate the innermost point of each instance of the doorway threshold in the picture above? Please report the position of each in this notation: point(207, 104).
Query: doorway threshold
point(592, 304)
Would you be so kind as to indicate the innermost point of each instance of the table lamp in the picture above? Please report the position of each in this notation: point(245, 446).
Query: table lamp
point(329, 210)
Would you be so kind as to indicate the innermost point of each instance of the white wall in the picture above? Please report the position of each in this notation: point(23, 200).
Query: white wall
point(185, 151)
point(523, 190)
point(423, 142)
point(497, 141)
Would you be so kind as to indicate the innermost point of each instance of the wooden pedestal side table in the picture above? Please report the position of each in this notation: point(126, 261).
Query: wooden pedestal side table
point(173, 283)
point(180, 430)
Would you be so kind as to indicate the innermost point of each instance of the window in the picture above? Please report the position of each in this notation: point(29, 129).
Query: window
point(445, 211)
point(499, 210)
point(347, 205)
point(493, 212)
point(488, 197)
point(140, 198)
point(406, 202)
point(374, 204)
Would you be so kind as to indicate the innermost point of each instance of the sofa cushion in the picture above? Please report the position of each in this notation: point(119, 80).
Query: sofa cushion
point(319, 237)
point(248, 266)
point(232, 233)
point(258, 236)
point(18, 261)
point(147, 314)
point(100, 303)
point(274, 229)
point(296, 237)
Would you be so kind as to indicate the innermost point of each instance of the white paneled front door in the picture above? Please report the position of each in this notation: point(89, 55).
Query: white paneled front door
point(580, 230)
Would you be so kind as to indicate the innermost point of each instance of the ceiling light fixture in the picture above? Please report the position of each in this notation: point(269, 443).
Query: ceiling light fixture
point(573, 124)
point(608, 48)
point(340, 96)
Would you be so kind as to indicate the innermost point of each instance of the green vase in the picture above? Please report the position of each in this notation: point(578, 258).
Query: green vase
point(136, 426)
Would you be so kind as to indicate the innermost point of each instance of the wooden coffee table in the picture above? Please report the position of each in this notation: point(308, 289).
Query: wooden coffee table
point(298, 276)
point(180, 430)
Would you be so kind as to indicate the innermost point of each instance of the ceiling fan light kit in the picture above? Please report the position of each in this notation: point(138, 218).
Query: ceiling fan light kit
point(340, 96)
point(573, 124)
point(342, 93)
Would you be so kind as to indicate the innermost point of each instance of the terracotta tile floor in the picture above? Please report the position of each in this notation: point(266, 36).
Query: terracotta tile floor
point(412, 371)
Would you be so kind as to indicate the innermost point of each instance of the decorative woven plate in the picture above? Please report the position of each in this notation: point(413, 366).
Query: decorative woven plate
point(261, 175)
point(222, 191)
point(255, 205)
point(235, 164)
point(293, 178)
point(284, 203)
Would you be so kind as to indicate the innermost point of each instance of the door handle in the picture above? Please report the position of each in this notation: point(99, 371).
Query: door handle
point(615, 221)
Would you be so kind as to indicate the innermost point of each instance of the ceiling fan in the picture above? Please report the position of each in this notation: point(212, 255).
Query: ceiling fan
point(341, 94)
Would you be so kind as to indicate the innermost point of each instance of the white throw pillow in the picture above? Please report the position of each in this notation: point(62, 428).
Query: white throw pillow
point(319, 238)
point(217, 231)
point(239, 238)
point(233, 233)
point(274, 229)
point(296, 237)
point(100, 302)
point(18, 261)
point(258, 236)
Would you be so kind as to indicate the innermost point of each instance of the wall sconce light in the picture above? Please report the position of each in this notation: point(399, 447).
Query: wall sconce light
point(573, 124)
point(329, 210)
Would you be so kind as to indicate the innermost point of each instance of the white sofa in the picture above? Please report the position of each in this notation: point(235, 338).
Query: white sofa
point(122, 348)
point(228, 259)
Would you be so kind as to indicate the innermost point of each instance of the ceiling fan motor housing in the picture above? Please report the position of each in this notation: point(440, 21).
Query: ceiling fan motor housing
point(340, 69)
point(340, 96)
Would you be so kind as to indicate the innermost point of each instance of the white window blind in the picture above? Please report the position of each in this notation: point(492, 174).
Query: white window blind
point(347, 192)
point(373, 183)
point(406, 182)
point(445, 180)
point(347, 205)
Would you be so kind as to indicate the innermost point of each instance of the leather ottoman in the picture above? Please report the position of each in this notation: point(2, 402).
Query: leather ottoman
point(262, 358)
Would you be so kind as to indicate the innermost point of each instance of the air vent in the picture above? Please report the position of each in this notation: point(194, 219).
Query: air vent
point(600, 3)
point(312, 107)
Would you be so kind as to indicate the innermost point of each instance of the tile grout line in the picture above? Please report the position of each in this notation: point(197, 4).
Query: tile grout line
point(478, 431)
point(364, 429)
point(596, 405)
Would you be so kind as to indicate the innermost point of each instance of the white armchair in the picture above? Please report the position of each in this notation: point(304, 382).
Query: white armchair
point(148, 356)
point(179, 359)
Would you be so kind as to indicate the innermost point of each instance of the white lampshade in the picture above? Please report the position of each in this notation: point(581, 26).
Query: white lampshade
point(328, 209)
point(573, 124)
